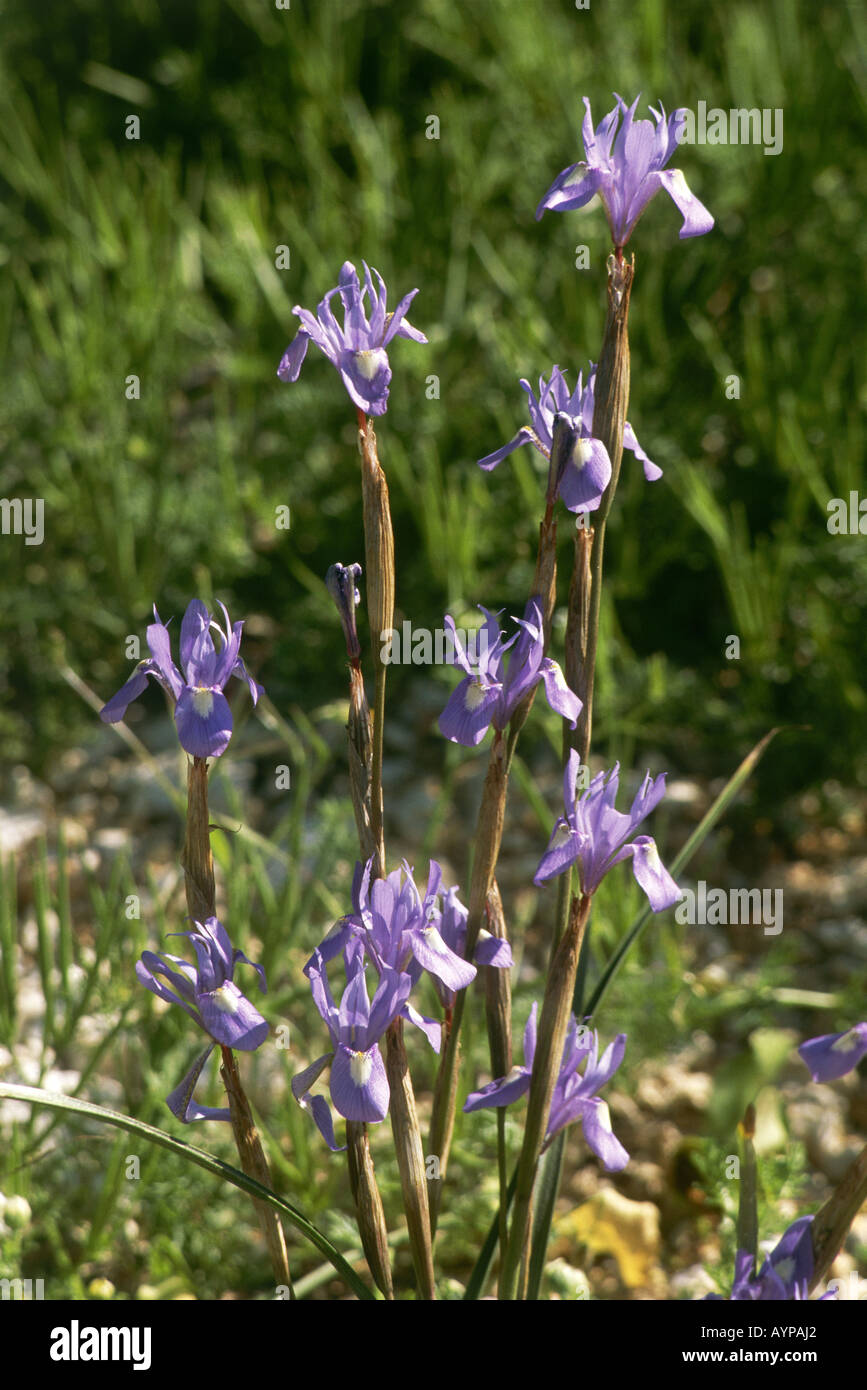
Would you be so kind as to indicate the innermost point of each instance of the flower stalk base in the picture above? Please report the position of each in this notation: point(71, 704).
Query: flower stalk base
point(410, 1158)
point(553, 1022)
point(368, 1206)
point(255, 1165)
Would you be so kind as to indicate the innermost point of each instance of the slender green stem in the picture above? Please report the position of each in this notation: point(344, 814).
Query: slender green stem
point(748, 1215)
point(503, 1174)
point(362, 1176)
point(255, 1165)
point(553, 1022)
point(379, 562)
point(445, 1096)
point(583, 733)
point(547, 1185)
point(498, 1010)
point(197, 860)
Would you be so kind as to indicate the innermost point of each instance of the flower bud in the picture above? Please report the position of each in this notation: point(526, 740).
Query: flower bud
point(341, 582)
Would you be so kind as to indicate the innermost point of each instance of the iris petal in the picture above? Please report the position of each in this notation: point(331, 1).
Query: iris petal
point(230, 1018)
point(359, 1087)
point(204, 722)
point(181, 1102)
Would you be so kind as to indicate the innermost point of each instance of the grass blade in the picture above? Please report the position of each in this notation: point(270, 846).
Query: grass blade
point(482, 1267)
point(547, 1187)
point(212, 1165)
point(695, 841)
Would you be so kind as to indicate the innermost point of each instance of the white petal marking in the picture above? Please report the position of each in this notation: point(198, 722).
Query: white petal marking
point(360, 1067)
point(474, 695)
point(581, 454)
point(369, 361)
point(203, 701)
point(226, 1000)
point(603, 1115)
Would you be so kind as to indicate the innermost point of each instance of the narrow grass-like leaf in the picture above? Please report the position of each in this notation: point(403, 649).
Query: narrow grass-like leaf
point(45, 953)
point(212, 1165)
point(8, 949)
point(482, 1267)
point(695, 841)
point(547, 1186)
point(64, 913)
point(528, 786)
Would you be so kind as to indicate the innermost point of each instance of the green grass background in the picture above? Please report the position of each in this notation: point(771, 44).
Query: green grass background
point(306, 128)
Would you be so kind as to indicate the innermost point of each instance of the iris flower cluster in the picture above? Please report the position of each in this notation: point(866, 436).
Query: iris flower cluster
point(575, 1092)
point(785, 1275)
point(624, 163)
point(593, 835)
point(402, 935)
point(359, 1087)
point(358, 349)
point(588, 469)
point(202, 715)
point(396, 933)
point(489, 695)
point(208, 993)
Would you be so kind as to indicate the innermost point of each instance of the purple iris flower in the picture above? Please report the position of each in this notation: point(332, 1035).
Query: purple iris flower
point(575, 1093)
point(359, 1086)
point(588, 470)
point(835, 1054)
point(357, 349)
point(202, 714)
point(206, 992)
point(399, 930)
point(486, 696)
point(626, 168)
point(593, 835)
point(490, 949)
point(785, 1275)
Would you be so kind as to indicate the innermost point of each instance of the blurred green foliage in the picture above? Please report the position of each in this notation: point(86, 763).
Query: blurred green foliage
point(307, 128)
